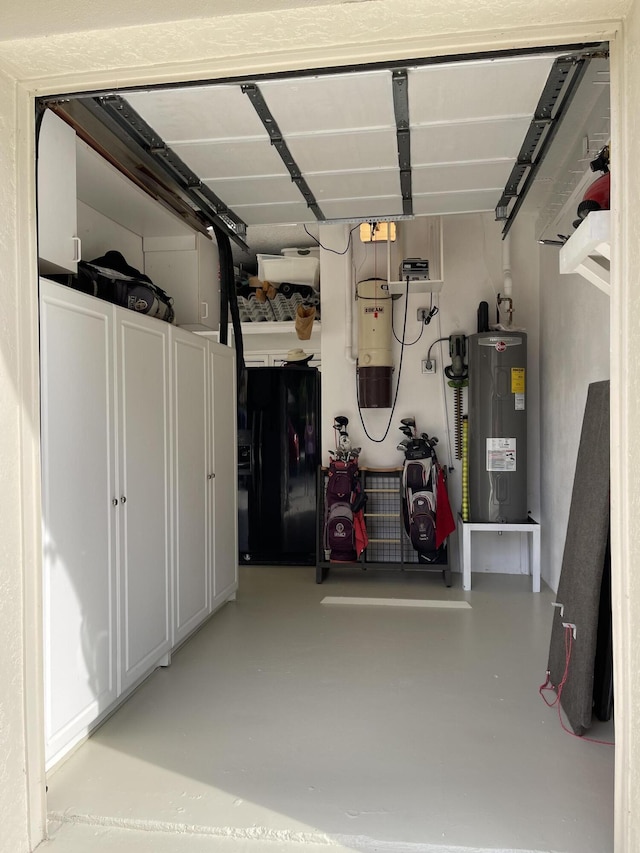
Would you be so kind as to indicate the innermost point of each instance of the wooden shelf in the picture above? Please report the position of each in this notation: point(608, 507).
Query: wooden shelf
point(588, 250)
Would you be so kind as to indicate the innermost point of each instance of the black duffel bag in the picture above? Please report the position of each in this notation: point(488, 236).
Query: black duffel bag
point(111, 278)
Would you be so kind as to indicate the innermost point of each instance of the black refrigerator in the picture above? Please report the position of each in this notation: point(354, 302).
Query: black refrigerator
point(278, 458)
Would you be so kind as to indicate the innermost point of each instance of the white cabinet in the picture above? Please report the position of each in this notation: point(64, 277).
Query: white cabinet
point(105, 448)
point(139, 499)
point(205, 472)
point(144, 571)
point(192, 465)
point(223, 488)
point(79, 519)
point(188, 268)
point(58, 243)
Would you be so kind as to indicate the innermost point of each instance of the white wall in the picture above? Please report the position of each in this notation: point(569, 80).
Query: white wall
point(12, 743)
point(574, 349)
point(472, 274)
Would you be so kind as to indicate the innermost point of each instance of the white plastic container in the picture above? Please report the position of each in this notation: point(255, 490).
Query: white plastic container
point(306, 252)
point(296, 270)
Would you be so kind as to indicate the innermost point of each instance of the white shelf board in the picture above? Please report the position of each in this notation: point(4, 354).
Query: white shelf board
point(588, 250)
point(400, 287)
point(272, 327)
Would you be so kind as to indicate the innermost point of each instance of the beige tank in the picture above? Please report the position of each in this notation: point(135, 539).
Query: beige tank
point(375, 357)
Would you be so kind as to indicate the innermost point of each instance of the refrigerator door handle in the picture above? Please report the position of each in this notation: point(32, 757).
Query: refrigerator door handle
point(256, 438)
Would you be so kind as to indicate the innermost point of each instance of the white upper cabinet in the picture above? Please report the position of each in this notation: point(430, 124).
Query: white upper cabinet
point(188, 268)
point(58, 244)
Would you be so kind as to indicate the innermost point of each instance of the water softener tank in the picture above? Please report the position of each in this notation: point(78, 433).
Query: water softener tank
point(497, 427)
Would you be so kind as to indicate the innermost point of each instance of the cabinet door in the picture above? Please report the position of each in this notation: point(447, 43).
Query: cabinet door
point(143, 453)
point(191, 477)
point(79, 521)
point(224, 485)
point(58, 246)
point(208, 282)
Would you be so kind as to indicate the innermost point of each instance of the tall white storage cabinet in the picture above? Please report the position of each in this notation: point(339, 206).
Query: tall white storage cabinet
point(205, 474)
point(143, 477)
point(139, 491)
point(192, 466)
point(224, 532)
point(79, 515)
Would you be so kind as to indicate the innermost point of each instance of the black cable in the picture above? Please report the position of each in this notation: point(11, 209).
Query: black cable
point(326, 248)
point(437, 341)
point(422, 325)
point(228, 284)
point(395, 398)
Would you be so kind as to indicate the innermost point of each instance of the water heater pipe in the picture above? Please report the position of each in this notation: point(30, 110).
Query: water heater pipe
point(506, 267)
point(348, 323)
point(505, 301)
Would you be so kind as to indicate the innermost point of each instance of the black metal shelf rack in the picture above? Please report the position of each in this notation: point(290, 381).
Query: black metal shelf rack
point(389, 546)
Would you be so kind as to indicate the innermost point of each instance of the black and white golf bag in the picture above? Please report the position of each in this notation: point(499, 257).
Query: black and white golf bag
point(420, 495)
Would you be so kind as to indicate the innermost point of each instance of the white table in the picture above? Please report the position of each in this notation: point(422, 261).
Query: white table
point(466, 528)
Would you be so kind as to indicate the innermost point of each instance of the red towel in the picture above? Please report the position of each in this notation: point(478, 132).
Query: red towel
point(445, 523)
point(362, 540)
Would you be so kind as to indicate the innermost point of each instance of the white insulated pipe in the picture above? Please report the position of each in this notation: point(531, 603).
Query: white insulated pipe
point(506, 267)
point(348, 322)
point(505, 302)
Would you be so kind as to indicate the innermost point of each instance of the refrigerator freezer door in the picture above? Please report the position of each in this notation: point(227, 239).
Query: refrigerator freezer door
point(278, 488)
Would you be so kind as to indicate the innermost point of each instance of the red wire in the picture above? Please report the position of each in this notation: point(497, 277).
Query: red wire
point(568, 647)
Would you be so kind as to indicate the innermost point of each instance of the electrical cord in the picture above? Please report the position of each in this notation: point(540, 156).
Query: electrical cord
point(426, 319)
point(326, 248)
point(393, 331)
point(395, 398)
point(548, 686)
point(433, 343)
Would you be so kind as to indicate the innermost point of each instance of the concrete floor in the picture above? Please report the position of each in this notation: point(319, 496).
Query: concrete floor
point(286, 724)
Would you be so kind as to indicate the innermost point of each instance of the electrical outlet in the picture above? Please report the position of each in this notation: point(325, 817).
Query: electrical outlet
point(428, 365)
point(423, 313)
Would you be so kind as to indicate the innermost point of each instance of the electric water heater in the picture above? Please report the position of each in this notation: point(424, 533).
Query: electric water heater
point(497, 427)
point(375, 358)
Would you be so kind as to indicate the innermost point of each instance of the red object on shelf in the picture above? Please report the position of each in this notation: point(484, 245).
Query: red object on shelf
point(597, 196)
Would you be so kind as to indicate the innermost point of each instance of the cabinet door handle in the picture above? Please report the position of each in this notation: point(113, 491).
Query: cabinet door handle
point(205, 310)
point(77, 249)
point(210, 476)
point(123, 500)
point(114, 502)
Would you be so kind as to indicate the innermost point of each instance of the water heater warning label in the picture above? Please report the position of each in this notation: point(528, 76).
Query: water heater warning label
point(501, 454)
point(517, 380)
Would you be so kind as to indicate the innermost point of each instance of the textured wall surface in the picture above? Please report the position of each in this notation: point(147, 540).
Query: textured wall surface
point(314, 33)
point(626, 453)
point(12, 787)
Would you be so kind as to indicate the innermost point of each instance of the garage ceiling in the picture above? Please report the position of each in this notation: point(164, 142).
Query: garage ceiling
point(466, 125)
point(461, 135)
